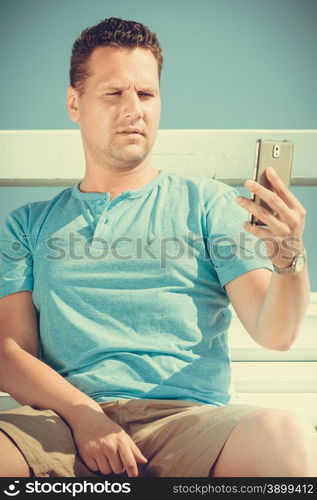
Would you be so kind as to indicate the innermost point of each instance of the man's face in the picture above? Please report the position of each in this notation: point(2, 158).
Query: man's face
point(122, 92)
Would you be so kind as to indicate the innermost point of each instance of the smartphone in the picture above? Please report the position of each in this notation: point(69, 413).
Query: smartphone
point(276, 154)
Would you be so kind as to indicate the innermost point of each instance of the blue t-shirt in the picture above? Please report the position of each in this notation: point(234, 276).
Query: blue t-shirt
point(129, 292)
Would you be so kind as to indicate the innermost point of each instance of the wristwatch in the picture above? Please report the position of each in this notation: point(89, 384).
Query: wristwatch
point(295, 266)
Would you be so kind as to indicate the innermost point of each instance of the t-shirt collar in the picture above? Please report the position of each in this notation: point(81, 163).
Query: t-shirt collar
point(131, 193)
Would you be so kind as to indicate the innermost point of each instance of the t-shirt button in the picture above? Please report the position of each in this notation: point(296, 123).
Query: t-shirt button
point(106, 221)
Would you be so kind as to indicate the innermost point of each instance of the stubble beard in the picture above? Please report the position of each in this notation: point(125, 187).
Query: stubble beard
point(126, 157)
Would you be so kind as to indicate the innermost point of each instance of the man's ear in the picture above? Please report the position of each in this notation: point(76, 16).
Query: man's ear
point(72, 103)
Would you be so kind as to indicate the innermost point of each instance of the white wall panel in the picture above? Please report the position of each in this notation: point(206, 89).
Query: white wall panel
point(55, 157)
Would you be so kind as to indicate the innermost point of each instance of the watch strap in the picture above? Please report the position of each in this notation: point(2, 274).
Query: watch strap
point(291, 269)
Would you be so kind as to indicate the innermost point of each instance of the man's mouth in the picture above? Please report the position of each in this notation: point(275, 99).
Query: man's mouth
point(131, 131)
point(131, 135)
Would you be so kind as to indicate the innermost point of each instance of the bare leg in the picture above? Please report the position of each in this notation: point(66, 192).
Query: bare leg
point(269, 443)
point(12, 462)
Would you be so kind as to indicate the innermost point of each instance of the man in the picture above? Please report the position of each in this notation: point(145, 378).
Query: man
point(126, 279)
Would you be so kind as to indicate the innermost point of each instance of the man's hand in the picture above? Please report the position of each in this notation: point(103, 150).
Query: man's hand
point(285, 227)
point(103, 445)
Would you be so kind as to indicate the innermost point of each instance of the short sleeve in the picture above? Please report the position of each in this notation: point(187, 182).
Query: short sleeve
point(16, 261)
point(232, 249)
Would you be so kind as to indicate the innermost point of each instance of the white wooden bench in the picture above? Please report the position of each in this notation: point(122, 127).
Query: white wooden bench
point(55, 157)
point(280, 379)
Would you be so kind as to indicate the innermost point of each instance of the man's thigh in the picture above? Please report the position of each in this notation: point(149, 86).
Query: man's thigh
point(45, 441)
point(179, 438)
point(12, 462)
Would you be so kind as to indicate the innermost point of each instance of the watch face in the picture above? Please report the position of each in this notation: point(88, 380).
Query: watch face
point(296, 266)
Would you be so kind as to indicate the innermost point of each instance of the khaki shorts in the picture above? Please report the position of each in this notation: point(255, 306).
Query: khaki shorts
point(179, 438)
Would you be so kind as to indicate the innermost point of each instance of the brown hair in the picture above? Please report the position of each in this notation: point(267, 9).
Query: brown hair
point(113, 32)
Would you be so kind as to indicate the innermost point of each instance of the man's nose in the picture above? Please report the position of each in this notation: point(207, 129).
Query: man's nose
point(132, 106)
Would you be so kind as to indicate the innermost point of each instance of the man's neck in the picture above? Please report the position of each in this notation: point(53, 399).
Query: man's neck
point(114, 182)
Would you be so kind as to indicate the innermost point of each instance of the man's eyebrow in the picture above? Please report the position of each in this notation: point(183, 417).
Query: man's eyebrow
point(116, 86)
point(109, 85)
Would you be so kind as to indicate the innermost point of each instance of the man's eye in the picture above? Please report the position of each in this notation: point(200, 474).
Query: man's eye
point(140, 93)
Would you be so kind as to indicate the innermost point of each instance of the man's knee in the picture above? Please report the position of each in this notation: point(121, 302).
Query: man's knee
point(292, 438)
point(281, 424)
point(267, 441)
point(12, 461)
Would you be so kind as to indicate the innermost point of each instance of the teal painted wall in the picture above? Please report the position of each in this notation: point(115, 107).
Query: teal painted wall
point(229, 64)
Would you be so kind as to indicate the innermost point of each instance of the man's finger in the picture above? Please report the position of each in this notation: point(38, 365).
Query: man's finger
point(140, 458)
point(91, 463)
point(128, 460)
point(116, 464)
point(103, 463)
point(272, 199)
point(282, 190)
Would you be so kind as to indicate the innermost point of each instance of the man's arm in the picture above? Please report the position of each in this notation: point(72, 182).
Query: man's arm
point(22, 374)
point(270, 306)
point(100, 441)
